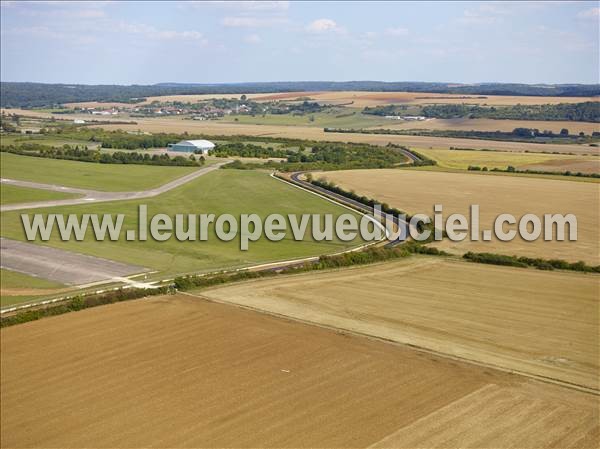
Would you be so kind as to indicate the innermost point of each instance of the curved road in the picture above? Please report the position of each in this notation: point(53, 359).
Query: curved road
point(401, 225)
point(96, 196)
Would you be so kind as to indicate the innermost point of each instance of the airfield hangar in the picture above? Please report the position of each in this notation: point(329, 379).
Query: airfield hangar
point(192, 146)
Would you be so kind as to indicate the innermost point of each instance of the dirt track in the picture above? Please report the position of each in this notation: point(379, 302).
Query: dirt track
point(181, 372)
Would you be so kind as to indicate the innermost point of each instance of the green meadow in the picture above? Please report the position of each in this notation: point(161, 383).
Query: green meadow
point(220, 192)
point(12, 194)
point(88, 175)
point(13, 282)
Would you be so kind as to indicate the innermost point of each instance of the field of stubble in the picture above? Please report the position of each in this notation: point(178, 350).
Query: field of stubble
point(182, 372)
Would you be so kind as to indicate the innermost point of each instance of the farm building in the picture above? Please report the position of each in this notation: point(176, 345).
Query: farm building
point(192, 146)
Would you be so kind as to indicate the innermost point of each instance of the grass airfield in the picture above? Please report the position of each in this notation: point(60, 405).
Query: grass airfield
point(219, 192)
point(88, 175)
point(14, 195)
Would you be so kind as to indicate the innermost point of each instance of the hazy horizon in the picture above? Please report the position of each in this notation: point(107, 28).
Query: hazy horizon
point(296, 81)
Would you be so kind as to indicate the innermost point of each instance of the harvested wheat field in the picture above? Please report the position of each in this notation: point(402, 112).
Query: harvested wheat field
point(362, 99)
point(539, 323)
point(481, 124)
point(416, 191)
point(177, 371)
point(573, 165)
point(462, 159)
point(210, 127)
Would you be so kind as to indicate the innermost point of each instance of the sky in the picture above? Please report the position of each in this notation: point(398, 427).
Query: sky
point(219, 42)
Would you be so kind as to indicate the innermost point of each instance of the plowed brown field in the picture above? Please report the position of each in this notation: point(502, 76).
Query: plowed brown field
point(181, 372)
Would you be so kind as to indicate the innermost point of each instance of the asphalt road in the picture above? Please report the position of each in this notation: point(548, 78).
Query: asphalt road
point(400, 224)
point(95, 196)
point(60, 265)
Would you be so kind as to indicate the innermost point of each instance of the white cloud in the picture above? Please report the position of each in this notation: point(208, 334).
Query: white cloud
point(399, 31)
point(151, 32)
point(252, 39)
point(272, 6)
point(323, 26)
point(485, 14)
point(252, 22)
point(592, 13)
point(261, 5)
point(61, 9)
point(185, 35)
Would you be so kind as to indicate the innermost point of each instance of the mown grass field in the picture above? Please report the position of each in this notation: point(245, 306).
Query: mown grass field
point(87, 175)
point(18, 287)
point(462, 159)
point(46, 140)
point(337, 118)
point(540, 323)
point(219, 192)
point(177, 371)
point(12, 194)
point(417, 191)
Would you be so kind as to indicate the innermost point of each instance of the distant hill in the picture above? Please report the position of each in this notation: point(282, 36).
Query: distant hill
point(27, 95)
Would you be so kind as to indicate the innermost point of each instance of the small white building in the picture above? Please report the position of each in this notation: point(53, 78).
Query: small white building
point(192, 146)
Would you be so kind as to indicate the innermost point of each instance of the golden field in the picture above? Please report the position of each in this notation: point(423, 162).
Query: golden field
point(539, 323)
point(215, 127)
point(416, 191)
point(483, 124)
point(174, 125)
point(462, 159)
point(362, 99)
point(176, 371)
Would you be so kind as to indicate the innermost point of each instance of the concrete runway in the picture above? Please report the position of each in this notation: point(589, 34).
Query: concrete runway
point(60, 265)
point(95, 196)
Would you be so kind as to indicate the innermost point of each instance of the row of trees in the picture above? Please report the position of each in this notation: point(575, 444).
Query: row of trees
point(588, 111)
point(516, 135)
point(524, 262)
point(250, 150)
point(512, 169)
point(86, 155)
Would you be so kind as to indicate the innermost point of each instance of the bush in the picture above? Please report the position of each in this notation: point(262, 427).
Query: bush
point(524, 262)
point(81, 302)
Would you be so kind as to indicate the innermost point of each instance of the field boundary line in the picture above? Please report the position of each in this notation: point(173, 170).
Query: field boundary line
point(545, 379)
point(450, 404)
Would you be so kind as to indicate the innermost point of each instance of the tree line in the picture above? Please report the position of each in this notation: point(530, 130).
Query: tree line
point(19, 94)
point(533, 135)
point(524, 262)
point(588, 111)
point(512, 169)
point(86, 155)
